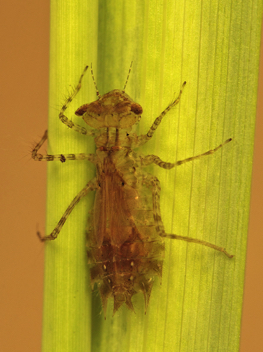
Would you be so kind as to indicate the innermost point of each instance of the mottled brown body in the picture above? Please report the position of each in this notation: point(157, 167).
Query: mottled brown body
point(125, 232)
point(124, 248)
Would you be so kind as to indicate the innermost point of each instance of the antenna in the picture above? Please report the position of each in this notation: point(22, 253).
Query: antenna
point(92, 75)
point(127, 78)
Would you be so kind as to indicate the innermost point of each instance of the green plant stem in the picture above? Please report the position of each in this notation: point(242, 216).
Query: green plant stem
point(214, 46)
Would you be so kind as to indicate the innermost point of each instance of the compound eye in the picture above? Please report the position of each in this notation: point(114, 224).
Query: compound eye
point(136, 108)
point(81, 110)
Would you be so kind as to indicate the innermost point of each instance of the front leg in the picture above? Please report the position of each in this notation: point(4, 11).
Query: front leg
point(91, 186)
point(59, 157)
point(145, 138)
point(63, 118)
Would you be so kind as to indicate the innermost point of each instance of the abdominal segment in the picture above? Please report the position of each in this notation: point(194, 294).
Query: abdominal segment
point(124, 249)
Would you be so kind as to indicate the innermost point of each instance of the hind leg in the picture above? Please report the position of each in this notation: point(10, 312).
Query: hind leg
point(153, 183)
point(91, 186)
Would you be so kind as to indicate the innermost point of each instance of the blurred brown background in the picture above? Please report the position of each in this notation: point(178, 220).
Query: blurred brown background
point(24, 106)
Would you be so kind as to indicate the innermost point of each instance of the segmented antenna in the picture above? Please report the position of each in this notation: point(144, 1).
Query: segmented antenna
point(127, 78)
point(92, 75)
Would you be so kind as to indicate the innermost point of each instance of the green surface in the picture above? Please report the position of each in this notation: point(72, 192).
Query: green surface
point(214, 46)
